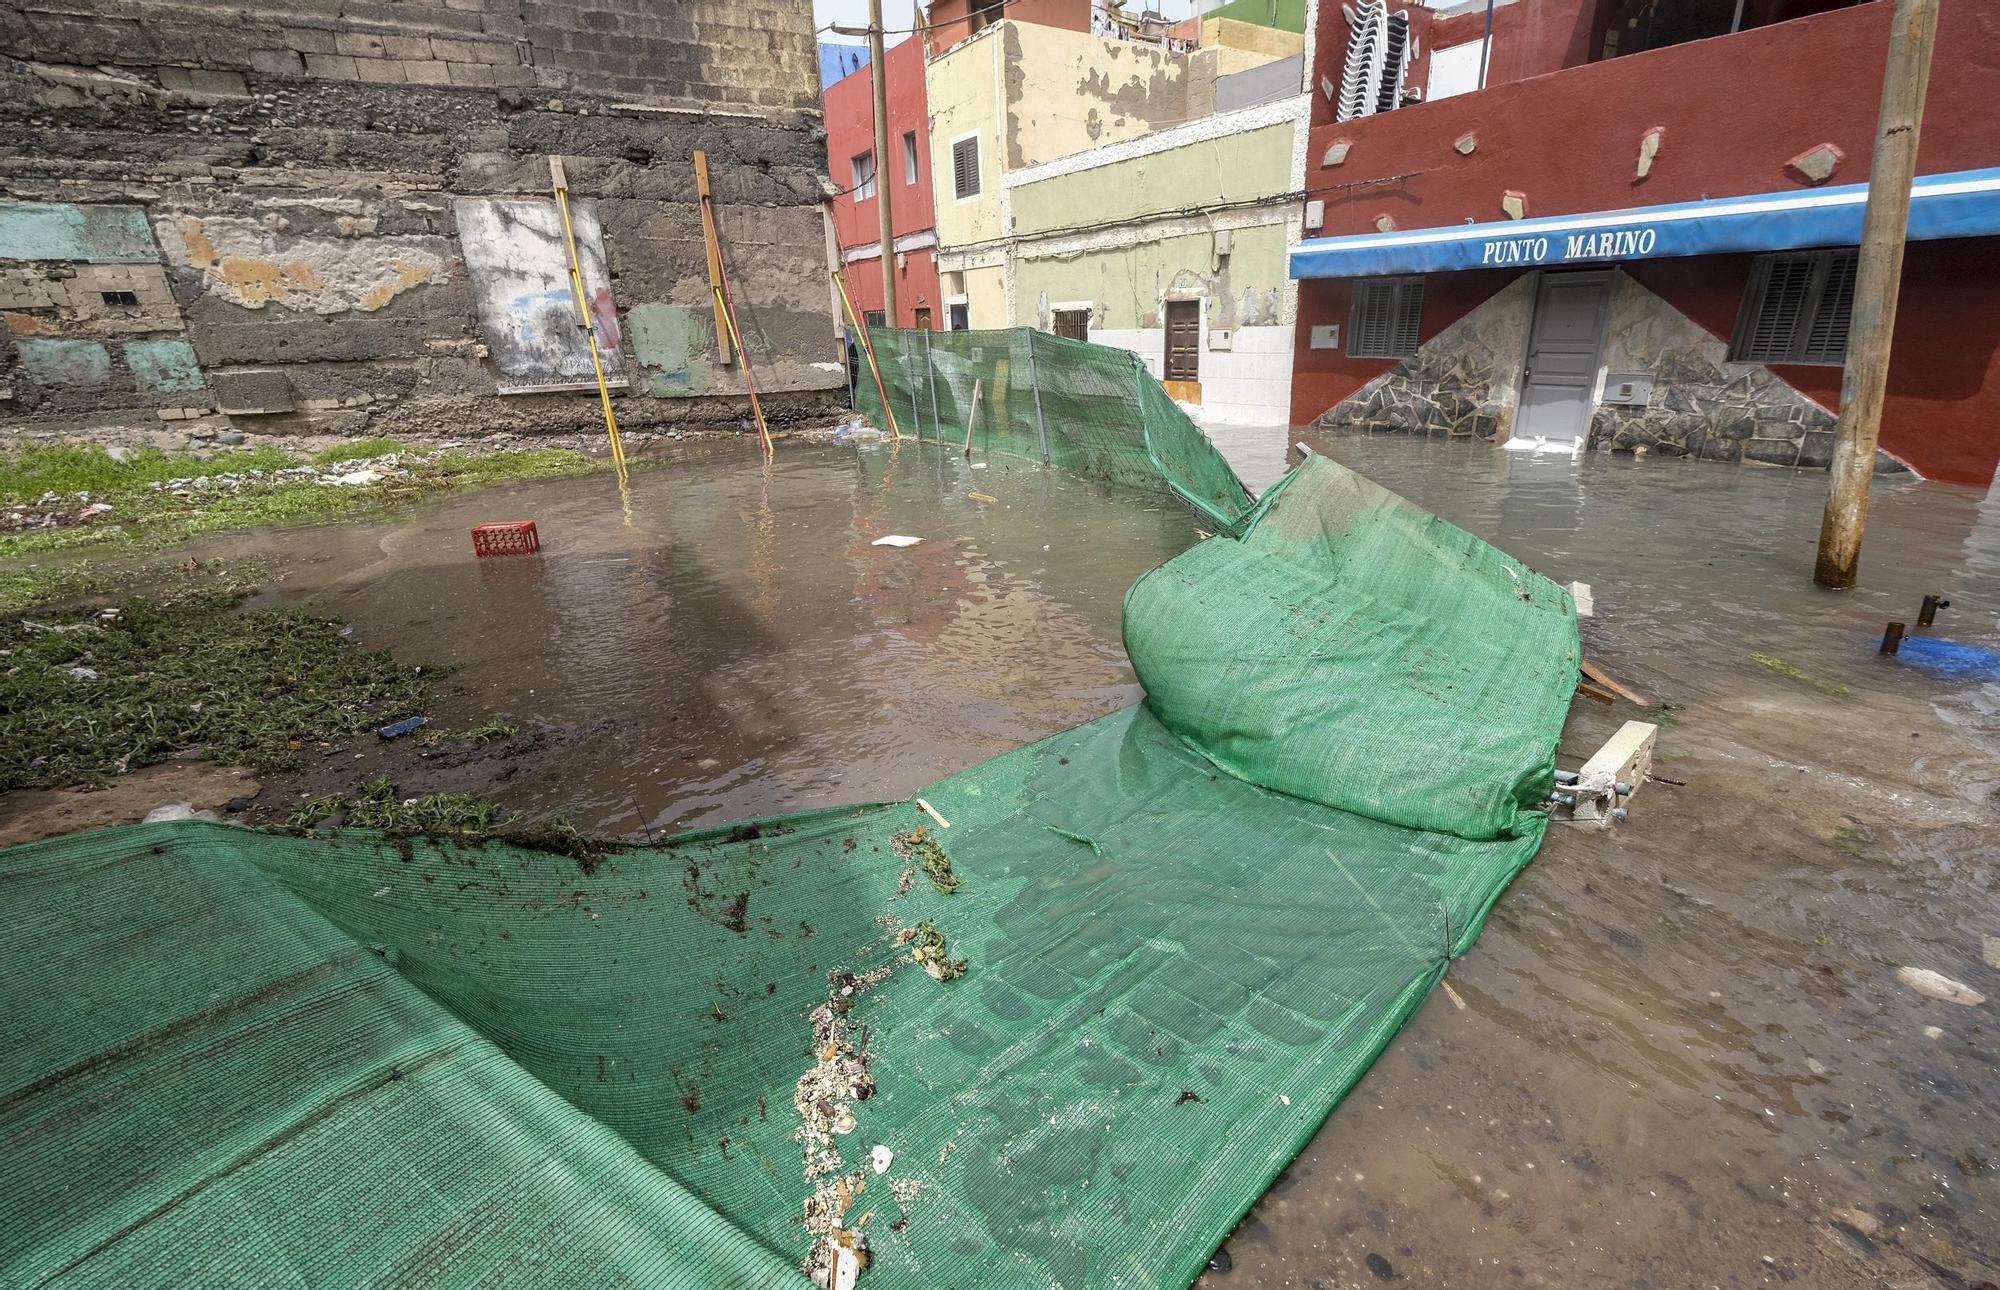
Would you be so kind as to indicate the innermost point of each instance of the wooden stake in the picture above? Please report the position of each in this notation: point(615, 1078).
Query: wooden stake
point(971, 415)
point(1605, 679)
point(868, 348)
point(722, 348)
point(1877, 281)
point(559, 183)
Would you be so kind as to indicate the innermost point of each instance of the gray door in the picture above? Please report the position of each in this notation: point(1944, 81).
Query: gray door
point(1561, 373)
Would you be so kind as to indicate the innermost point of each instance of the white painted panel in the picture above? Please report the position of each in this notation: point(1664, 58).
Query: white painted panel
point(1455, 69)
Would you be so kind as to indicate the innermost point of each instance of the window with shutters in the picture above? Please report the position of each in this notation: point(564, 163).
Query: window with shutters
point(1797, 309)
point(864, 176)
point(1385, 318)
point(965, 168)
point(1073, 323)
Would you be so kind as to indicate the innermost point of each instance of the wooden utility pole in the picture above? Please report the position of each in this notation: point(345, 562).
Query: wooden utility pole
point(1877, 281)
point(879, 75)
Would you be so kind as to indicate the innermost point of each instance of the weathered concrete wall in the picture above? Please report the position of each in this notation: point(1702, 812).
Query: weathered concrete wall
point(246, 208)
point(1233, 169)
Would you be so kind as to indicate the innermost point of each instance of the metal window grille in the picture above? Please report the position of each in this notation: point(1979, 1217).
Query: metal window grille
point(965, 168)
point(1073, 323)
point(1797, 309)
point(1386, 317)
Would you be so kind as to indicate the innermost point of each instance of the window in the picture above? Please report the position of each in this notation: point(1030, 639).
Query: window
point(1796, 309)
point(864, 177)
point(965, 168)
point(1456, 69)
point(1385, 318)
point(123, 298)
point(1073, 323)
point(875, 318)
point(960, 318)
point(910, 157)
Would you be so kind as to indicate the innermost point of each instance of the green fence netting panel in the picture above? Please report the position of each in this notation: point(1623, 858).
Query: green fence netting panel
point(1091, 410)
point(1189, 927)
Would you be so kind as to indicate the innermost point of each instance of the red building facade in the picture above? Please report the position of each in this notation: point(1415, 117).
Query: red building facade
point(850, 148)
point(1691, 354)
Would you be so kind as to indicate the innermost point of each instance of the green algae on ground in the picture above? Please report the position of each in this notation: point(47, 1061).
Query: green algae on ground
point(143, 514)
point(918, 845)
point(1782, 668)
point(86, 695)
point(485, 732)
point(464, 818)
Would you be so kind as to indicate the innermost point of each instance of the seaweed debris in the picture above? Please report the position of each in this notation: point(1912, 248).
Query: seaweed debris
point(918, 845)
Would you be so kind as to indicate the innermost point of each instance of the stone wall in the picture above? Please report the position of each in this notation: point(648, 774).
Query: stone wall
point(244, 209)
point(1702, 405)
point(1465, 382)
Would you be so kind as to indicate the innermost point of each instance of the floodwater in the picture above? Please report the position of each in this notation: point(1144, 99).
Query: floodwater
point(741, 648)
point(1679, 1056)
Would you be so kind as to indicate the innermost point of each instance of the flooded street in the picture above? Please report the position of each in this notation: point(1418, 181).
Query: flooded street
point(1679, 1055)
point(741, 648)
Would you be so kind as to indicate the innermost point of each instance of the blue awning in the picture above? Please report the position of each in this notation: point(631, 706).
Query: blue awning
point(1963, 204)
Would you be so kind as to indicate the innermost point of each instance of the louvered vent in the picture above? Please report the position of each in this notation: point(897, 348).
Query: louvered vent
point(1826, 340)
point(1386, 317)
point(1797, 309)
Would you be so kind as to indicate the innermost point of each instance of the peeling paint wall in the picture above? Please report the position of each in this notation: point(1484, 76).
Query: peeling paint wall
point(247, 209)
point(246, 263)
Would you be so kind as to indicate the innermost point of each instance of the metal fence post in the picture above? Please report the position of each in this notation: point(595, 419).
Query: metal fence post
point(1041, 428)
point(930, 370)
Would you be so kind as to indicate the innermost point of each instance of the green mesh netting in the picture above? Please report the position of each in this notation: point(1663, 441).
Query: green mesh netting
point(1092, 410)
point(1190, 925)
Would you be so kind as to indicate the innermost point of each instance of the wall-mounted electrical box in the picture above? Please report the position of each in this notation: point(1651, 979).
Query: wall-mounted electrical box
point(1326, 337)
point(1315, 216)
point(1631, 388)
point(1220, 338)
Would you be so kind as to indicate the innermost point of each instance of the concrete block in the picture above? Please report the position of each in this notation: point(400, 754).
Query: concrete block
point(278, 62)
point(380, 71)
point(515, 75)
point(210, 80)
point(407, 46)
point(426, 72)
point(337, 67)
point(471, 74)
point(453, 51)
point(359, 44)
point(253, 393)
point(1815, 165)
point(309, 40)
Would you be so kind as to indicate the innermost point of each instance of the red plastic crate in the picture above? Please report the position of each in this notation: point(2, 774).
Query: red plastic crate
point(508, 537)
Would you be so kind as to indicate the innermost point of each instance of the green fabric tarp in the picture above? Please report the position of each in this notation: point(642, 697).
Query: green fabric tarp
point(243, 1058)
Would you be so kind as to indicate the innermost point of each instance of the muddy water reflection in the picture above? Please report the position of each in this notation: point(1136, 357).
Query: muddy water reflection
point(1684, 1057)
point(742, 648)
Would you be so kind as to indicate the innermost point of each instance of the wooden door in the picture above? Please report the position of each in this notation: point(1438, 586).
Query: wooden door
point(923, 320)
point(1183, 340)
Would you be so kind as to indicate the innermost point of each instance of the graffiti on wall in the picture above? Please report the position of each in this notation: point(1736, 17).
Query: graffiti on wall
point(516, 256)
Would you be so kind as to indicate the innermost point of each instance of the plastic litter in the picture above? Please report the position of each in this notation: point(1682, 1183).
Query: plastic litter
point(397, 729)
point(896, 539)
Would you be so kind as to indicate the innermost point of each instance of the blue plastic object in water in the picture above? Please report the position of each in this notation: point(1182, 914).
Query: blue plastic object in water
point(397, 729)
point(1950, 658)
